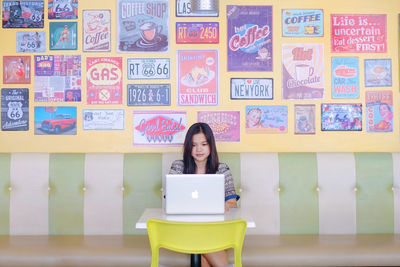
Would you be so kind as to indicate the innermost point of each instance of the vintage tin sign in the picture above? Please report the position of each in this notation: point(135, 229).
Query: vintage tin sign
point(15, 109)
point(345, 76)
point(149, 94)
point(224, 124)
point(23, 14)
point(104, 80)
point(142, 26)
point(304, 119)
point(63, 36)
point(63, 9)
point(96, 31)
point(302, 22)
point(16, 69)
point(166, 128)
point(198, 77)
point(378, 72)
point(358, 33)
point(103, 119)
point(55, 120)
point(266, 119)
point(148, 68)
point(183, 9)
point(341, 117)
point(379, 111)
point(31, 42)
point(249, 40)
point(197, 32)
point(252, 88)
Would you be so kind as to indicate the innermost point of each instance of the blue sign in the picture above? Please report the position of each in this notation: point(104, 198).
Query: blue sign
point(345, 77)
point(302, 22)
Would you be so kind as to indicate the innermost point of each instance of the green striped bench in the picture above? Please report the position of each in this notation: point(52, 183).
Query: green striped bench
point(311, 209)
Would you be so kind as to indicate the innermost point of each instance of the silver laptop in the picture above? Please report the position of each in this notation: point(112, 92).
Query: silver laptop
point(194, 194)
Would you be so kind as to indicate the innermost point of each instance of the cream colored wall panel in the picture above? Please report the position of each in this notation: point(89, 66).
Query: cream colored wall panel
point(337, 198)
point(29, 173)
point(260, 196)
point(396, 191)
point(103, 194)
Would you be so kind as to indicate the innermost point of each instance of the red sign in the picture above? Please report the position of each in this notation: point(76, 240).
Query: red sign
point(197, 32)
point(358, 33)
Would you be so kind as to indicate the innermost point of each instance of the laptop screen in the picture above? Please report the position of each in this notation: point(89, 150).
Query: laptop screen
point(194, 193)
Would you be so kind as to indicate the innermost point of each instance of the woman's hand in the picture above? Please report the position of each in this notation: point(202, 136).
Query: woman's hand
point(230, 203)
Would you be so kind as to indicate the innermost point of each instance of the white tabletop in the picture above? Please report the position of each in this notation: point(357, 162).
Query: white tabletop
point(158, 213)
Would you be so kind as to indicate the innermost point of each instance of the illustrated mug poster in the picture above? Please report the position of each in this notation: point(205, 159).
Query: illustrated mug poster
point(197, 77)
point(143, 26)
point(224, 124)
point(96, 31)
point(358, 33)
point(165, 128)
point(104, 80)
point(302, 71)
point(14, 109)
point(266, 119)
point(16, 69)
point(345, 77)
point(57, 78)
point(378, 72)
point(249, 38)
point(379, 111)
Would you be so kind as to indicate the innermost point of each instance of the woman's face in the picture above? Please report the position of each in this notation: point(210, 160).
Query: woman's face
point(254, 118)
point(385, 112)
point(200, 148)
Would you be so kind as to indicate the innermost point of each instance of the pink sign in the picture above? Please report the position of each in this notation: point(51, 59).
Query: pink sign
point(104, 80)
point(224, 124)
point(358, 33)
point(197, 78)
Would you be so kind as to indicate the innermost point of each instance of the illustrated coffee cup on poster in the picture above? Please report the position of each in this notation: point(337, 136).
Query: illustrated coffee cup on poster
point(149, 30)
point(303, 71)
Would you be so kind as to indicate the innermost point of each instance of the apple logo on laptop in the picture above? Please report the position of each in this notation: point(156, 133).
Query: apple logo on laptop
point(195, 194)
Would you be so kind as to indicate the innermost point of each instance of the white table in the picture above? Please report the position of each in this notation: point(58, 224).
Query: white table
point(158, 213)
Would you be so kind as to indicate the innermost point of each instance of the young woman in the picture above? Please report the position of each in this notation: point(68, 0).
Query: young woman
point(200, 156)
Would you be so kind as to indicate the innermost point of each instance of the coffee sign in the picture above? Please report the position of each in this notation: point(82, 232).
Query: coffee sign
point(302, 22)
point(96, 30)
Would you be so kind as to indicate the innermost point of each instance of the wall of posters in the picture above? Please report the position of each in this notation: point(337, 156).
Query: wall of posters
point(104, 80)
point(31, 42)
point(345, 77)
point(249, 40)
point(23, 14)
point(302, 71)
point(143, 26)
point(159, 127)
point(103, 119)
point(16, 69)
point(379, 105)
point(224, 124)
point(266, 119)
point(197, 77)
point(14, 109)
point(358, 33)
point(302, 22)
point(57, 78)
point(96, 30)
point(341, 117)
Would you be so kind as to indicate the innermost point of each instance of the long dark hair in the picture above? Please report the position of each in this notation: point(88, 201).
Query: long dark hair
point(188, 160)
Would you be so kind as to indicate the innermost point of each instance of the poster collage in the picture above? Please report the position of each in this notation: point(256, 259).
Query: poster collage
point(143, 28)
